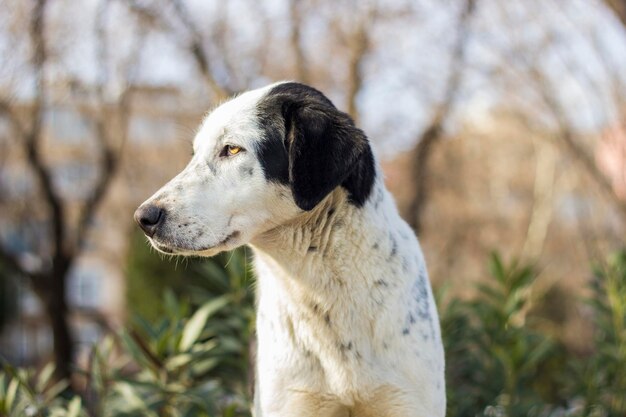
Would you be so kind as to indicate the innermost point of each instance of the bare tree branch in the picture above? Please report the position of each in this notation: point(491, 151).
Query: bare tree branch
point(543, 194)
point(360, 45)
point(197, 50)
point(619, 8)
point(194, 45)
point(109, 157)
point(567, 139)
point(434, 130)
point(295, 40)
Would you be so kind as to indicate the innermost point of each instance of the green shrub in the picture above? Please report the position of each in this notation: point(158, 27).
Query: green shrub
point(600, 381)
point(194, 360)
point(24, 393)
point(496, 361)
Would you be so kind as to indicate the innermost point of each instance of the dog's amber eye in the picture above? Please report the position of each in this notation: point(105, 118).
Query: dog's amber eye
point(231, 150)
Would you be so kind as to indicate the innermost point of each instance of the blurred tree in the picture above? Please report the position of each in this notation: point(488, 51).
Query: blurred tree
point(48, 263)
point(434, 129)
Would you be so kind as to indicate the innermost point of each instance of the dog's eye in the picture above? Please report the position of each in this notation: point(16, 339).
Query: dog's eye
point(230, 150)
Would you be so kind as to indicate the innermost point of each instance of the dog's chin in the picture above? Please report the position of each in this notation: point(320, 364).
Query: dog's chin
point(228, 243)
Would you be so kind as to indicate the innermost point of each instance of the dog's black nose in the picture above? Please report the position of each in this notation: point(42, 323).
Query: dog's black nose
point(149, 217)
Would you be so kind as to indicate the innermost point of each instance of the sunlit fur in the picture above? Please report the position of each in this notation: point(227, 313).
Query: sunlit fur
point(346, 321)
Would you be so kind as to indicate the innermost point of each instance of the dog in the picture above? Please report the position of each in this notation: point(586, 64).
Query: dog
point(346, 320)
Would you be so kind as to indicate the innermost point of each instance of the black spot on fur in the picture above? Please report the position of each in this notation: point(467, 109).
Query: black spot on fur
point(419, 291)
point(211, 167)
point(248, 171)
point(394, 246)
point(327, 319)
point(379, 199)
point(331, 212)
point(405, 331)
point(405, 264)
point(345, 347)
point(313, 146)
point(312, 248)
point(381, 283)
point(375, 246)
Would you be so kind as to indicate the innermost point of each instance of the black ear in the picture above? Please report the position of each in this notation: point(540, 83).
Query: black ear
point(325, 150)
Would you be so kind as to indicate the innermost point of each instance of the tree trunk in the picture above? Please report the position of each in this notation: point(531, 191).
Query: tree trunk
point(419, 174)
point(58, 315)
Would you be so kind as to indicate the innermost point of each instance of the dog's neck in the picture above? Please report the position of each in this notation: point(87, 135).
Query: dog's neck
point(337, 232)
point(312, 231)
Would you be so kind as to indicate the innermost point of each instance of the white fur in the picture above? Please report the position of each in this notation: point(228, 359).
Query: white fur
point(346, 320)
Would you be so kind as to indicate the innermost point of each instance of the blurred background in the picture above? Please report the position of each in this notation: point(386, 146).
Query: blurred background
point(501, 127)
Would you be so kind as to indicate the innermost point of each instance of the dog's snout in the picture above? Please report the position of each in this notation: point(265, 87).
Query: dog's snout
point(149, 217)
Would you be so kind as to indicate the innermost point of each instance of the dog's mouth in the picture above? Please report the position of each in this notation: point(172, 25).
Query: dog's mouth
point(171, 248)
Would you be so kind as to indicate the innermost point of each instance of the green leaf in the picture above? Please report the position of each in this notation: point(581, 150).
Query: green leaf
point(203, 367)
point(55, 390)
point(131, 397)
point(74, 407)
point(194, 326)
point(178, 361)
point(11, 394)
point(44, 377)
point(497, 268)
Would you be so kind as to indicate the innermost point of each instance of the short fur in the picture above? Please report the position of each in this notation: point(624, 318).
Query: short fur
point(346, 320)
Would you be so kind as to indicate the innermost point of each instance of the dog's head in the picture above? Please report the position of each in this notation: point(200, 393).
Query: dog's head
point(260, 159)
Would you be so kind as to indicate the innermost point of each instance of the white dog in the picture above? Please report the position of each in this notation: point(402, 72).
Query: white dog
point(346, 321)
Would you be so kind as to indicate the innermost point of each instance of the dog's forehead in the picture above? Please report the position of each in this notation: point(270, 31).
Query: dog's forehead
point(236, 117)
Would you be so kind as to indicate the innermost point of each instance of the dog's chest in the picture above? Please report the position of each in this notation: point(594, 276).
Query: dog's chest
point(345, 326)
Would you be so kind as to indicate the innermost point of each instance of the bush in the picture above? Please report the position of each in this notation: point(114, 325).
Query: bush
point(194, 361)
point(600, 381)
point(496, 360)
point(501, 363)
point(191, 362)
